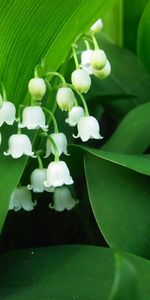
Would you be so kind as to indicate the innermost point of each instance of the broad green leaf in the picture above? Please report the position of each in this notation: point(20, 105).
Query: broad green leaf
point(125, 285)
point(143, 43)
point(120, 201)
point(132, 13)
point(138, 163)
point(132, 135)
point(29, 31)
point(64, 272)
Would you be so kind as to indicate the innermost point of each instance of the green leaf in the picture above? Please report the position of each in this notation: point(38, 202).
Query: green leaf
point(29, 31)
point(120, 201)
point(64, 272)
point(125, 285)
point(143, 43)
point(132, 135)
point(132, 13)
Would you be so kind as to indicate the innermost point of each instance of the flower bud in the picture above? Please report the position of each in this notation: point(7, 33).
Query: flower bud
point(74, 115)
point(65, 98)
point(97, 26)
point(98, 59)
point(104, 73)
point(37, 88)
point(81, 80)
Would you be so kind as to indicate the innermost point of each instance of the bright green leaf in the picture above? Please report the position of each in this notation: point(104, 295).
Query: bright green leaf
point(120, 201)
point(133, 134)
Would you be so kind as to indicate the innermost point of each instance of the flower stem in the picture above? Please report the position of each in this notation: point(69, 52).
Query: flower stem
point(87, 44)
point(54, 145)
point(36, 75)
point(53, 119)
point(56, 74)
point(39, 161)
point(96, 46)
point(74, 46)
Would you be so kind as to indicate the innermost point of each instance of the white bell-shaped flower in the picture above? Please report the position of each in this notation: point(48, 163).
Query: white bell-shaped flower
point(98, 59)
point(61, 143)
point(7, 113)
point(65, 98)
point(97, 26)
point(81, 80)
point(18, 145)
point(86, 61)
point(21, 198)
point(63, 199)
point(88, 128)
point(58, 174)
point(74, 115)
point(38, 176)
point(104, 73)
point(37, 88)
point(33, 118)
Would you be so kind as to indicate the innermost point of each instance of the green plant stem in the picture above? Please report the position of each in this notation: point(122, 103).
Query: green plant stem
point(39, 161)
point(75, 56)
point(56, 74)
point(53, 119)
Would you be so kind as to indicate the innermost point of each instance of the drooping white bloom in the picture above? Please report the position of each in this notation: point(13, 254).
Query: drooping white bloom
point(37, 88)
point(33, 118)
point(58, 174)
point(65, 98)
point(88, 128)
point(98, 59)
point(18, 145)
point(81, 80)
point(74, 115)
point(21, 198)
point(97, 26)
point(104, 73)
point(61, 143)
point(86, 61)
point(63, 199)
point(38, 176)
point(7, 113)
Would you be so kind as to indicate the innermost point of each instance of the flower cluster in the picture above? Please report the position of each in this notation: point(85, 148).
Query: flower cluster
point(54, 178)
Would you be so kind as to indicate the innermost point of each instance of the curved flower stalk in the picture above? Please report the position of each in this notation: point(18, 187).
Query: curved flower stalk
point(88, 128)
point(18, 145)
point(63, 200)
point(21, 198)
point(60, 140)
point(33, 118)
